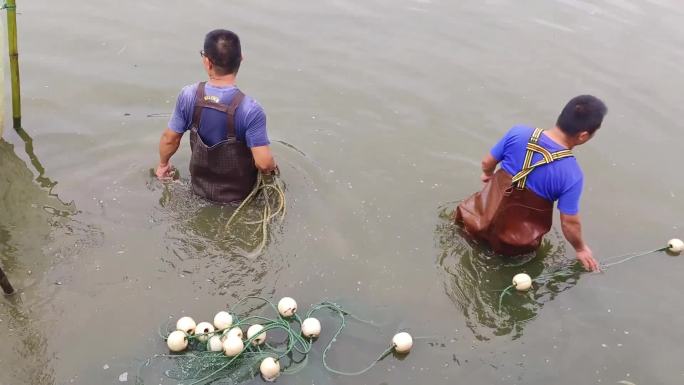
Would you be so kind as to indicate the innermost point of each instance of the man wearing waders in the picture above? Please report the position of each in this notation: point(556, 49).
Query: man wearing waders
point(515, 207)
point(228, 136)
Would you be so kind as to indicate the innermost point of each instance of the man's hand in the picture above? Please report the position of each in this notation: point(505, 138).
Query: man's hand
point(168, 144)
point(263, 159)
point(164, 171)
point(586, 257)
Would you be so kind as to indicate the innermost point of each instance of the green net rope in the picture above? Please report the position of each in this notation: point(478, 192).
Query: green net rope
point(606, 263)
point(197, 366)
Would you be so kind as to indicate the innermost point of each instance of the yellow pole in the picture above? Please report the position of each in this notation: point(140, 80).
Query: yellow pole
point(2, 82)
point(11, 9)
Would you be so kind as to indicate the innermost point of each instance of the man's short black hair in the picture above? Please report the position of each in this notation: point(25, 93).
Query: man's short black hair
point(582, 113)
point(222, 48)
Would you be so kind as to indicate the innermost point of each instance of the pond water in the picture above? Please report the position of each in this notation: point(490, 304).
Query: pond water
point(379, 112)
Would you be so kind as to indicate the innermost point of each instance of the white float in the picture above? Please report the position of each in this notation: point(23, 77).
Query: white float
point(236, 331)
point(202, 330)
point(402, 342)
point(287, 307)
point(270, 369)
point(186, 324)
point(675, 245)
point(253, 331)
point(214, 344)
point(311, 327)
point(232, 346)
point(177, 341)
point(522, 282)
point(223, 320)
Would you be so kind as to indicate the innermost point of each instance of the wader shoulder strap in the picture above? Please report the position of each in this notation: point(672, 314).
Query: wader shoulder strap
point(234, 104)
point(547, 157)
point(199, 99)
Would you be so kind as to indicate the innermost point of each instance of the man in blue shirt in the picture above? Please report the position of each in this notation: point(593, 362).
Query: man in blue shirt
point(228, 137)
point(514, 209)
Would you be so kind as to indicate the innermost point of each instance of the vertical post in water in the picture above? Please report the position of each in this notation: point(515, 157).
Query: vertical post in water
point(4, 282)
point(2, 85)
point(11, 9)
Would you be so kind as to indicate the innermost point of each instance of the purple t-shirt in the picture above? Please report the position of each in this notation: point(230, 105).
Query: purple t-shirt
point(250, 119)
point(560, 180)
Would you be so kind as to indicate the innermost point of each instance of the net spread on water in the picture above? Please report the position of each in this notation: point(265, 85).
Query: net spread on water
point(197, 366)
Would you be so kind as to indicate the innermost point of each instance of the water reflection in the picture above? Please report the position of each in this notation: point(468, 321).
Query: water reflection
point(474, 278)
point(42, 180)
point(32, 216)
point(29, 212)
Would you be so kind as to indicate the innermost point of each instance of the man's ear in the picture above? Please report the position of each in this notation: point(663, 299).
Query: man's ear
point(584, 137)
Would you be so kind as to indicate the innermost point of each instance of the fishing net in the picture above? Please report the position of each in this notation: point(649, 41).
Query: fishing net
point(193, 367)
point(285, 343)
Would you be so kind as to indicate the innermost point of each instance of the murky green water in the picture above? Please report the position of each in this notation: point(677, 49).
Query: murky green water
point(380, 112)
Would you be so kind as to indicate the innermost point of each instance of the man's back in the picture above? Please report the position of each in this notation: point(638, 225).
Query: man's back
point(560, 180)
point(250, 119)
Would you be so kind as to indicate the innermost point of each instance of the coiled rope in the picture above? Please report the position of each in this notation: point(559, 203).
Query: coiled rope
point(270, 189)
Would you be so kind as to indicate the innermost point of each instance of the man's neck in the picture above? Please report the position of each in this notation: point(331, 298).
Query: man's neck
point(222, 80)
point(558, 136)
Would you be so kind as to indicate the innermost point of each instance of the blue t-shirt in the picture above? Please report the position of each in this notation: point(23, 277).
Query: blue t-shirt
point(560, 180)
point(250, 119)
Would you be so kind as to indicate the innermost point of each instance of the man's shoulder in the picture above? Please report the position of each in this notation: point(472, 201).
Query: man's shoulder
point(521, 130)
point(188, 92)
point(569, 169)
point(190, 87)
point(251, 106)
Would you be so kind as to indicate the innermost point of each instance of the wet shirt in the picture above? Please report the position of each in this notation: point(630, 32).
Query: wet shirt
point(559, 181)
point(250, 119)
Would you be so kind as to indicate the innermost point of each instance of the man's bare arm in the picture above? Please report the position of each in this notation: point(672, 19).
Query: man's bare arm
point(488, 166)
point(168, 145)
point(263, 158)
point(572, 230)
